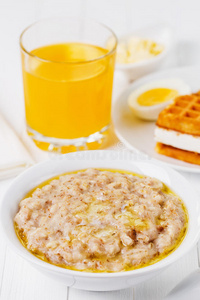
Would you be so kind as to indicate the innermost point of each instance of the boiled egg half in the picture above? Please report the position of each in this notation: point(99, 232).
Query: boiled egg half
point(148, 100)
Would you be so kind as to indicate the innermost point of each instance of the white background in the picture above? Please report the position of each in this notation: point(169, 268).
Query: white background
point(19, 281)
point(121, 15)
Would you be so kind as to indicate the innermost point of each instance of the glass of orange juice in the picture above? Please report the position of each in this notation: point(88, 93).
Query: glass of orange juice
point(68, 77)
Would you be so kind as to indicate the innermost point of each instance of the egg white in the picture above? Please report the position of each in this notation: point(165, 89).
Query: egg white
point(151, 112)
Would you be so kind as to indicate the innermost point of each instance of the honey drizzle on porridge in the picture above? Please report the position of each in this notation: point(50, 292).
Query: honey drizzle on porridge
point(133, 220)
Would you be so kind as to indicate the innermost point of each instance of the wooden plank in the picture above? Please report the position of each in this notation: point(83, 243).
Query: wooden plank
point(158, 287)
point(3, 186)
point(3, 248)
point(127, 294)
point(21, 282)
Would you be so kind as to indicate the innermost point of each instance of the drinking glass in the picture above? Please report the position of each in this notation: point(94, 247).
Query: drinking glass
point(68, 67)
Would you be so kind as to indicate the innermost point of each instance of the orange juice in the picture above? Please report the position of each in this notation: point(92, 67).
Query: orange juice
point(68, 89)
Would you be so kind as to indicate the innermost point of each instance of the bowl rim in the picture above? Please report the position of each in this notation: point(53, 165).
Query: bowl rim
point(156, 59)
point(132, 273)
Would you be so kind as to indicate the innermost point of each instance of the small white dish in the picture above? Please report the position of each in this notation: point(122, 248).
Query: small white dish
point(160, 33)
point(123, 160)
point(138, 135)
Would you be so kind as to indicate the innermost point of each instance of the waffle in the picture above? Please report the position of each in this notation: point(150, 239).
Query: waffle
point(182, 115)
point(188, 156)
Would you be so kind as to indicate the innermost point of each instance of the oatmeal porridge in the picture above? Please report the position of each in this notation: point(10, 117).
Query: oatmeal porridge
point(101, 221)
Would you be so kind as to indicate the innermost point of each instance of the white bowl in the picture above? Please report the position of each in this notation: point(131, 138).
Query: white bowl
point(99, 159)
point(161, 33)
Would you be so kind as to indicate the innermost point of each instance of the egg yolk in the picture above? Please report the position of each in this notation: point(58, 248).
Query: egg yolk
point(156, 96)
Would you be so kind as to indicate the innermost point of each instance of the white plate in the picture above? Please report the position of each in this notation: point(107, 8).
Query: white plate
point(137, 134)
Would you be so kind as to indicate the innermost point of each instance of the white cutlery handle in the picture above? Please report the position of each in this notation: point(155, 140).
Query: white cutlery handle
point(189, 288)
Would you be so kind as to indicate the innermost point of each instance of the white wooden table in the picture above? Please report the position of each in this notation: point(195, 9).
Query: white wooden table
point(18, 280)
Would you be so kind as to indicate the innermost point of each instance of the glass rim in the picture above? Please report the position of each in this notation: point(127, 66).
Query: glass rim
point(67, 62)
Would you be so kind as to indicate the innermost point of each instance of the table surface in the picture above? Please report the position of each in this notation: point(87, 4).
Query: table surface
point(18, 280)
